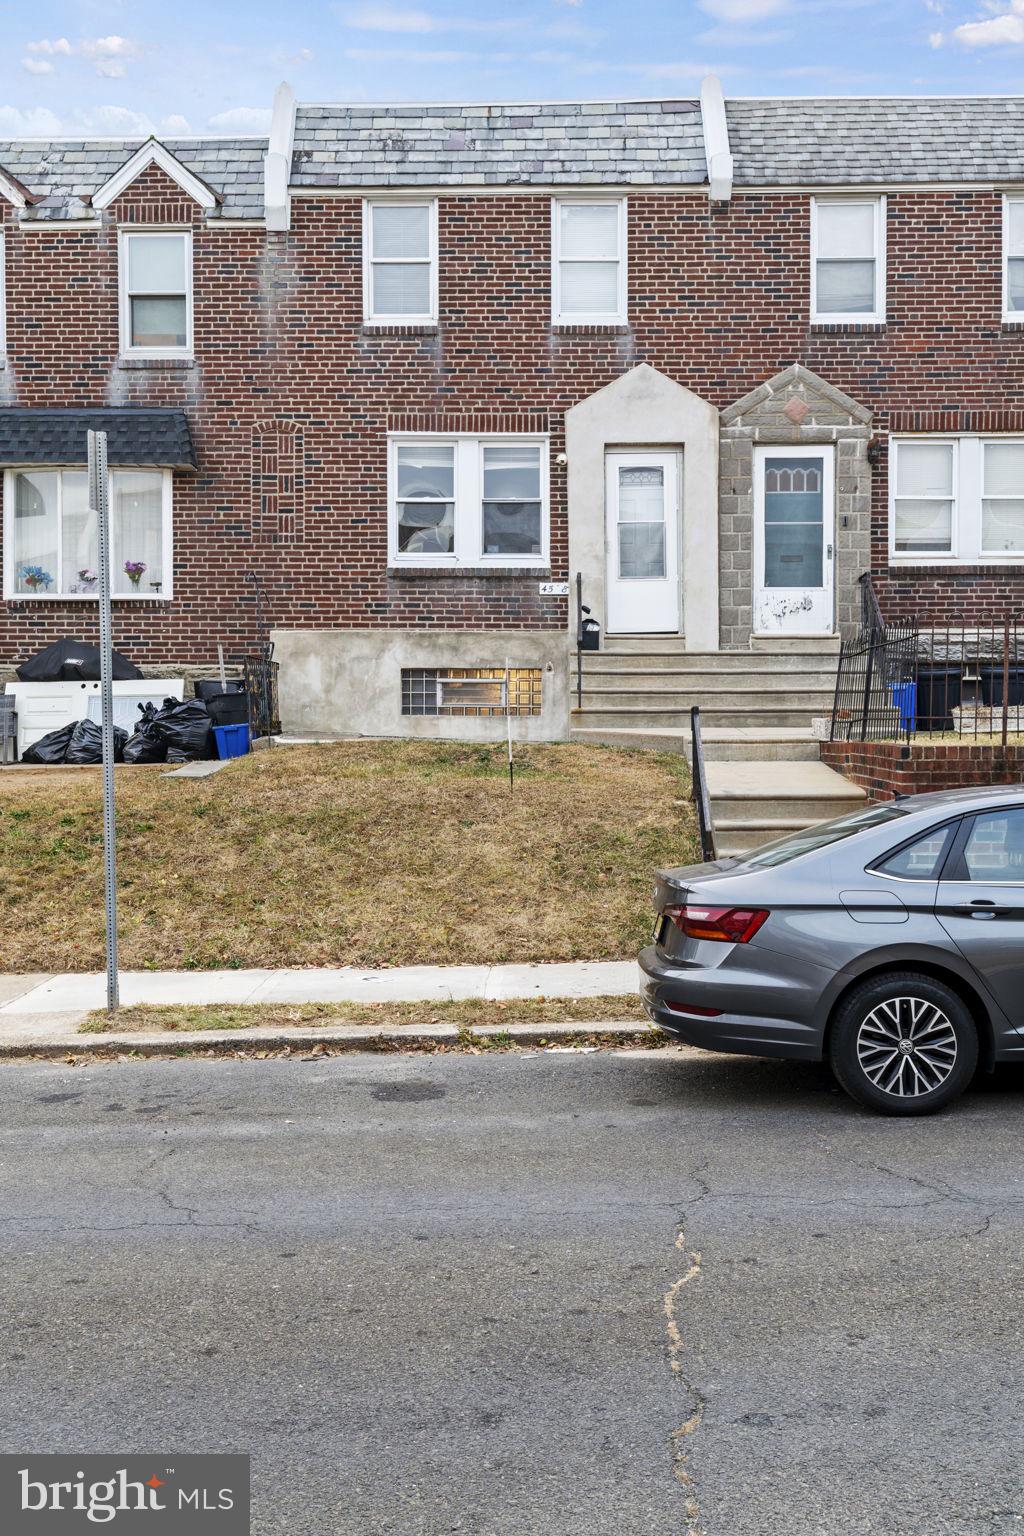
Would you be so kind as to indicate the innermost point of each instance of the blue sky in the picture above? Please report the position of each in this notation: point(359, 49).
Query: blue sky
point(127, 66)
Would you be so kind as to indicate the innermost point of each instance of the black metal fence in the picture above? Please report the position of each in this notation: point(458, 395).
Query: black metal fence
point(902, 680)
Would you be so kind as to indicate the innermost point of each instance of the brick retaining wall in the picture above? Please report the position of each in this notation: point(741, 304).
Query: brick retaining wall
point(888, 768)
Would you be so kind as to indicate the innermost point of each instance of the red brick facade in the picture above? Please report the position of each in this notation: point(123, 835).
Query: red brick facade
point(290, 398)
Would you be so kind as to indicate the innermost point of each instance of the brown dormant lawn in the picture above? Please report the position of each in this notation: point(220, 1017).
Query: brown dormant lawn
point(353, 853)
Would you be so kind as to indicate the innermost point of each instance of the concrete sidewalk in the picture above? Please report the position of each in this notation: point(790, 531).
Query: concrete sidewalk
point(48, 994)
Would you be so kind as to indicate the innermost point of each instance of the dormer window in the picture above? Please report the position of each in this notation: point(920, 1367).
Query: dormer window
point(156, 293)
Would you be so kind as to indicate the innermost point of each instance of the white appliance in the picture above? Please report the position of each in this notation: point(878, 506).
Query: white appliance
point(44, 707)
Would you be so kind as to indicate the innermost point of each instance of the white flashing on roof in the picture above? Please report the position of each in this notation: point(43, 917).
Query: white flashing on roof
point(716, 139)
point(277, 163)
point(154, 153)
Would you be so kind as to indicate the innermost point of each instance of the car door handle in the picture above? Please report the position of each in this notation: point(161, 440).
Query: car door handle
point(983, 909)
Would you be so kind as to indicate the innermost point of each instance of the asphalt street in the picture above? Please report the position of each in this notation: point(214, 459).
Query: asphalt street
point(517, 1295)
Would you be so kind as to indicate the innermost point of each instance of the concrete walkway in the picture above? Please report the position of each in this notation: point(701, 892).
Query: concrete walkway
point(48, 994)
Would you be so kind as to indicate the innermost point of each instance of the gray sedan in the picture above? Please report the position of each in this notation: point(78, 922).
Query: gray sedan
point(890, 942)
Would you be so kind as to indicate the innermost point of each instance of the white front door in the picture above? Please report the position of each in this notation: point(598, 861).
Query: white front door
point(642, 504)
point(793, 541)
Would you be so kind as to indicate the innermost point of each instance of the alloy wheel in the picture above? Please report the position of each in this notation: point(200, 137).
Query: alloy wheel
point(907, 1047)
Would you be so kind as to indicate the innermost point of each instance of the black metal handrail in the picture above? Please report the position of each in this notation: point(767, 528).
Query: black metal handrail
point(699, 779)
point(870, 609)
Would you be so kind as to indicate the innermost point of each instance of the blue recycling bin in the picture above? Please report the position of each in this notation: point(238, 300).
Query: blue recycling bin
point(904, 697)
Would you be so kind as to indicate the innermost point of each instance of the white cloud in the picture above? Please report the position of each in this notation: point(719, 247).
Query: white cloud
point(997, 32)
point(175, 123)
point(109, 56)
point(37, 122)
point(420, 56)
point(935, 39)
point(242, 120)
point(117, 122)
point(373, 18)
point(385, 18)
point(44, 45)
point(743, 10)
point(37, 66)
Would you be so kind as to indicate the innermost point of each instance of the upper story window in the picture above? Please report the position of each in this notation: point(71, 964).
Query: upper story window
point(468, 501)
point(848, 260)
point(400, 263)
point(1013, 258)
point(51, 541)
point(588, 280)
point(3, 295)
point(156, 293)
point(957, 500)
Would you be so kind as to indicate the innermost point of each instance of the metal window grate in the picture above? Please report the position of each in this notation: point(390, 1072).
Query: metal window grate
point(471, 691)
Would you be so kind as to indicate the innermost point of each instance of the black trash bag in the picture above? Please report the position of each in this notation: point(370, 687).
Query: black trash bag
point(145, 745)
point(50, 748)
point(86, 745)
point(177, 755)
point(71, 661)
point(185, 726)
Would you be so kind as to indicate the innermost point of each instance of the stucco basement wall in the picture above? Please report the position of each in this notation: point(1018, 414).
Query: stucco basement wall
point(349, 682)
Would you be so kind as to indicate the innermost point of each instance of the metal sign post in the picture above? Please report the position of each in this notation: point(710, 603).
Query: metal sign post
point(99, 504)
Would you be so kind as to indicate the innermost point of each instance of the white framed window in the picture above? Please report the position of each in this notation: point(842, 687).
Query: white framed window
point(956, 500)
point(1013, 259)
point(468, 501)
point(589, 284)
point(848, 260)
point(156, 292)
point(3, 295)
point(400, 262)
point(51, 541)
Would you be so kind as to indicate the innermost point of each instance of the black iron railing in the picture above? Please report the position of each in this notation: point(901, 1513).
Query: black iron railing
point(701, 799)
point(900, 680)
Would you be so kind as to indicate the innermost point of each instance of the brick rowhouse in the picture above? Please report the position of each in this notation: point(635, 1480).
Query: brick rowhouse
point(291, 397)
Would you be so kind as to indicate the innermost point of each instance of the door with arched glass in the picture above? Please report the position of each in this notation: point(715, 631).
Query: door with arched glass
point(794, 541)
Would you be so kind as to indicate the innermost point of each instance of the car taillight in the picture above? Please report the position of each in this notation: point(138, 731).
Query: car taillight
point(728, 925)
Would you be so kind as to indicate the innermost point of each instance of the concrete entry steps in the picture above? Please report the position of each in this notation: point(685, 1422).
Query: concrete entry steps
point(764, 773)
point(754, 802)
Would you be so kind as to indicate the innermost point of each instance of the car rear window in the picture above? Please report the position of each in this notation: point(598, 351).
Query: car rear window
point(921, 859)
point(811, 839)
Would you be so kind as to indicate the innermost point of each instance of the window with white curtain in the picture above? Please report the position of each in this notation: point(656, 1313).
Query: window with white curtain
point(156, 293)
point(468, 501)
point(400, 262)
point(589, 262)
point(1013, 258)
point(51, 542)
point(957, 499)
point(848, 260)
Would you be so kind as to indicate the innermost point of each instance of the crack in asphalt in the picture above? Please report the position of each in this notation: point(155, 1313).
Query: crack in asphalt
point(675, 1349)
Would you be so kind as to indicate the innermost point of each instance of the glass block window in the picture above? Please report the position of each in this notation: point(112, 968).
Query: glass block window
point(471, 691)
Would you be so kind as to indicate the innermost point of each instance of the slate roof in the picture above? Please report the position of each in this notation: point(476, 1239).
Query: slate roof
point(807, 140)
point(134, 436)
point(575, 143)
point(64, 172)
